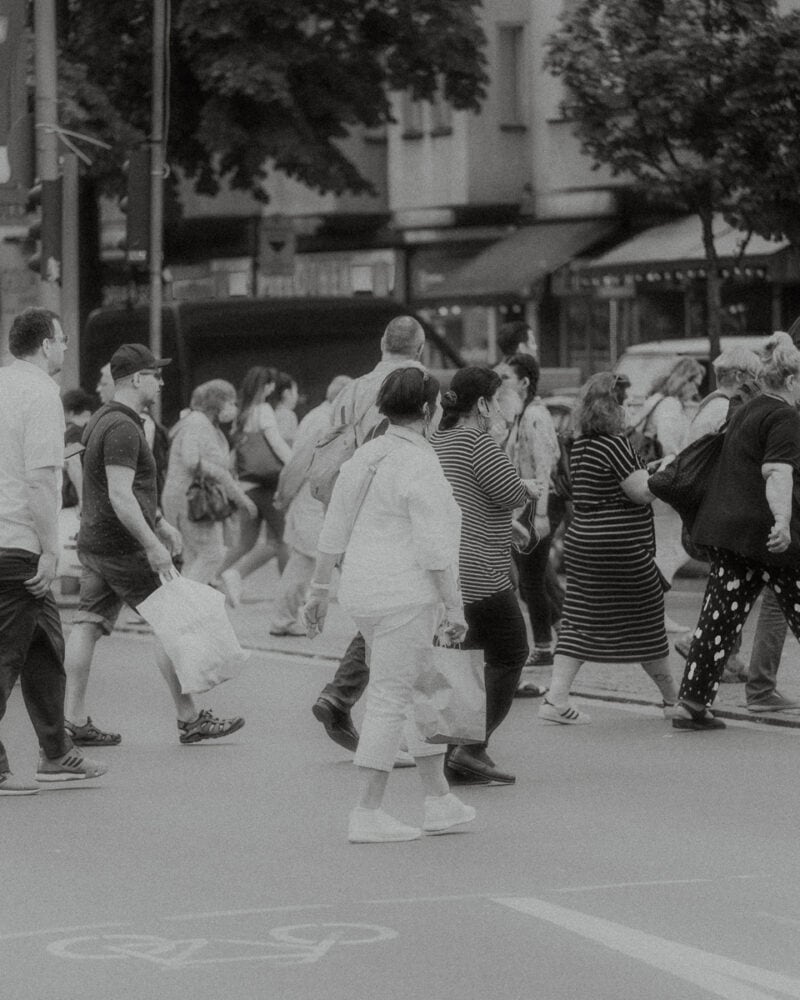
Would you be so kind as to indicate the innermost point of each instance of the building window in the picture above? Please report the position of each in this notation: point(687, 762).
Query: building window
point(411, 121)
point(511, 75)
point(441, 115)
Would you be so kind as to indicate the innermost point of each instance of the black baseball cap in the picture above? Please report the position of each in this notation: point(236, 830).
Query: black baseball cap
point(132, 358)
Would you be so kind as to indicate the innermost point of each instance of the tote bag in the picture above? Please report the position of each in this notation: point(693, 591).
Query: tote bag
point(256, 459)
point(190, 621)
point(450, 695)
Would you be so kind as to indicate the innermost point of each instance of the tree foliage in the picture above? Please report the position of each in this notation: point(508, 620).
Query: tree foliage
point(696, 100)
point(257, 82)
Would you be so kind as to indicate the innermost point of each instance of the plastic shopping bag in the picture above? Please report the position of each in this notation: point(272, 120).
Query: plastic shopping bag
point(191, 623)
point(450, 695)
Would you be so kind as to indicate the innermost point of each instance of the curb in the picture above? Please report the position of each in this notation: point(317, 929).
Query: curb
point(761, 718)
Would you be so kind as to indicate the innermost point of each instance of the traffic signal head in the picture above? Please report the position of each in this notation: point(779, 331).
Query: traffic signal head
point(136, 206)
point(43, 238)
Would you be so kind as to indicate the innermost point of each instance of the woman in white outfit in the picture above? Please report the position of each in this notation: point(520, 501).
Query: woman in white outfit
point(400, 567)
point(668, 420)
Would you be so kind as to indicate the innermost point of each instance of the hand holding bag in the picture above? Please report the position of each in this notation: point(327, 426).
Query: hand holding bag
point(206, 500)
point(190, 621)
point(450, 695)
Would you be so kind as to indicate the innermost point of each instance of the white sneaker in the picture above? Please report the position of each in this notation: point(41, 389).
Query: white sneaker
point(374, 826)
point(232, 585)
point(443, 812)
point(568, 716)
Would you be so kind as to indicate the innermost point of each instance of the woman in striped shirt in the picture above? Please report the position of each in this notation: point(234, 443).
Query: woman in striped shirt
point(614, 608)
point(488, 489)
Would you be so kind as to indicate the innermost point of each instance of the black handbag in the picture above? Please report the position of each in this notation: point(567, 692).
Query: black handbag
point(684, 482)
point(256, 460)
point(206, 500)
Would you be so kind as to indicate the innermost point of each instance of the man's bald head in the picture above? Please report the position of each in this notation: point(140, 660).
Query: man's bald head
point(403, 338)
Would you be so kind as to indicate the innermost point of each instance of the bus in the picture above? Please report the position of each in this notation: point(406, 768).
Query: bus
point(311, 339)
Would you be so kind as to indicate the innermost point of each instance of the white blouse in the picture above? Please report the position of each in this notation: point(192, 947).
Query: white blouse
point(408, 525)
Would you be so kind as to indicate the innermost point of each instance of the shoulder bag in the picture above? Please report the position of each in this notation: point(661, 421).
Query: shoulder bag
point(206, 500)
point(256, 460)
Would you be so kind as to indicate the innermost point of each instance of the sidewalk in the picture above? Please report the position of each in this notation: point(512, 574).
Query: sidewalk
point(609, 682)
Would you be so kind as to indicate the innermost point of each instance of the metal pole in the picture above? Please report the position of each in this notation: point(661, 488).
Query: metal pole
point(157, 177)
point(46, 123)
point(70, 257)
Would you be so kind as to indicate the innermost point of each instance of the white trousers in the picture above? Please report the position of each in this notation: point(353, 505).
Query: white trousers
point(394, 645)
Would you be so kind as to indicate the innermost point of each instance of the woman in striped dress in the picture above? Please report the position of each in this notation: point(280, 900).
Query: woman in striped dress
point(614, 607)
point(488, 489)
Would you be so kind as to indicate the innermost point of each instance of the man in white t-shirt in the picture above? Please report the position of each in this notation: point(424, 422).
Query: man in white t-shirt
point(31, 459)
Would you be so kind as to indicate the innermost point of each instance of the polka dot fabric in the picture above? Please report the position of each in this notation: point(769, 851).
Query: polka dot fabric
point(734, 582)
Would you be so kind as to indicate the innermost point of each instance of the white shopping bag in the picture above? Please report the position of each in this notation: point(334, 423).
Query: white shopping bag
point(192, 625)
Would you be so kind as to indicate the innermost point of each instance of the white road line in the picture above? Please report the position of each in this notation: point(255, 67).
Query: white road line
point(61, 930)
point(723, 977)
point(633, 885)
point(211, 914)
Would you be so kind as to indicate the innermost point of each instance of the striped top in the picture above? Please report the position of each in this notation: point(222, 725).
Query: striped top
point(597, 467)
point(487, 489)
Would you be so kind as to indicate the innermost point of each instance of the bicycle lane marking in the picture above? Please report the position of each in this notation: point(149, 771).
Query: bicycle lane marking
point(723, 977)
point(287, 947)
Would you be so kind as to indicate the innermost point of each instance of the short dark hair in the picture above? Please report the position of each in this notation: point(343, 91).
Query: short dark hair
point(526, 366)
point(77, 401)
point(467, 387)
point(30, 328)
point(404, 392)
point(511, 335)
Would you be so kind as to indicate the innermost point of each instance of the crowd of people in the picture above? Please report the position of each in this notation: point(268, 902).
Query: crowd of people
point(438, 524)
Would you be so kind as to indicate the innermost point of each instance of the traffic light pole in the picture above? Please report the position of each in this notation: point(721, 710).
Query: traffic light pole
point(47, 144)
point(157, 160)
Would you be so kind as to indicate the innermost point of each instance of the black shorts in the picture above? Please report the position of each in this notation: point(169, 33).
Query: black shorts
point(263, 497)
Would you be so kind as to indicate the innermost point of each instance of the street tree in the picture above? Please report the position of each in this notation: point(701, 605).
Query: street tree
point(259, 85)
point(697, 102)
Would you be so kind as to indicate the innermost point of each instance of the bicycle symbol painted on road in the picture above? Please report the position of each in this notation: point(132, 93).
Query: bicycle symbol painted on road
point(299, 944)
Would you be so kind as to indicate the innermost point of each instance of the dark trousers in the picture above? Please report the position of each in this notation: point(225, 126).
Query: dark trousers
point(537, 580)
point(497, 627)
point(31, 649)
point(351, 677)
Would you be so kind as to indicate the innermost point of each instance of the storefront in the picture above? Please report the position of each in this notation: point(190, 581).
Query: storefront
point(652, 287)
point(508, 280)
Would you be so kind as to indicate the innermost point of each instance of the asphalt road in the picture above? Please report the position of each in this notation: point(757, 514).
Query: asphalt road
point(629, 860)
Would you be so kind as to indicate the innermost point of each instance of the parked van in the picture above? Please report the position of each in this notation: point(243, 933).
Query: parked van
point(311, 339)
point(644, 363)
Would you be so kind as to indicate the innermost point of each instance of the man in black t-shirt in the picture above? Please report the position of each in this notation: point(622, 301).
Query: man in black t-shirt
point(124, 545)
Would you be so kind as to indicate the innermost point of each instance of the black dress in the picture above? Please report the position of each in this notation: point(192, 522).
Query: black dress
point(614, 607)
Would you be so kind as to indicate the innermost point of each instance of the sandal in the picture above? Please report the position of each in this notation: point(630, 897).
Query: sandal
point(88, 735)
point(697, 720)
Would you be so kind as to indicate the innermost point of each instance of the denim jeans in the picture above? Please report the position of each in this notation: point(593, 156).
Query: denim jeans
point(765, 659)
point(351, 677)
point(497, 627)
point(31, 649)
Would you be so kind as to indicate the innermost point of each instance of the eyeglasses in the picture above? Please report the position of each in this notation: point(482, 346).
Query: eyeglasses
point(63, 341)
point(156, 374)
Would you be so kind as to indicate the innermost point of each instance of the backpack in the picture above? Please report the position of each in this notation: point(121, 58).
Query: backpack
point(332, 450)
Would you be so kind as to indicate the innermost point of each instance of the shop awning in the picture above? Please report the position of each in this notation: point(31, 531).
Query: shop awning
point(681, 241)
point(511, 267)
